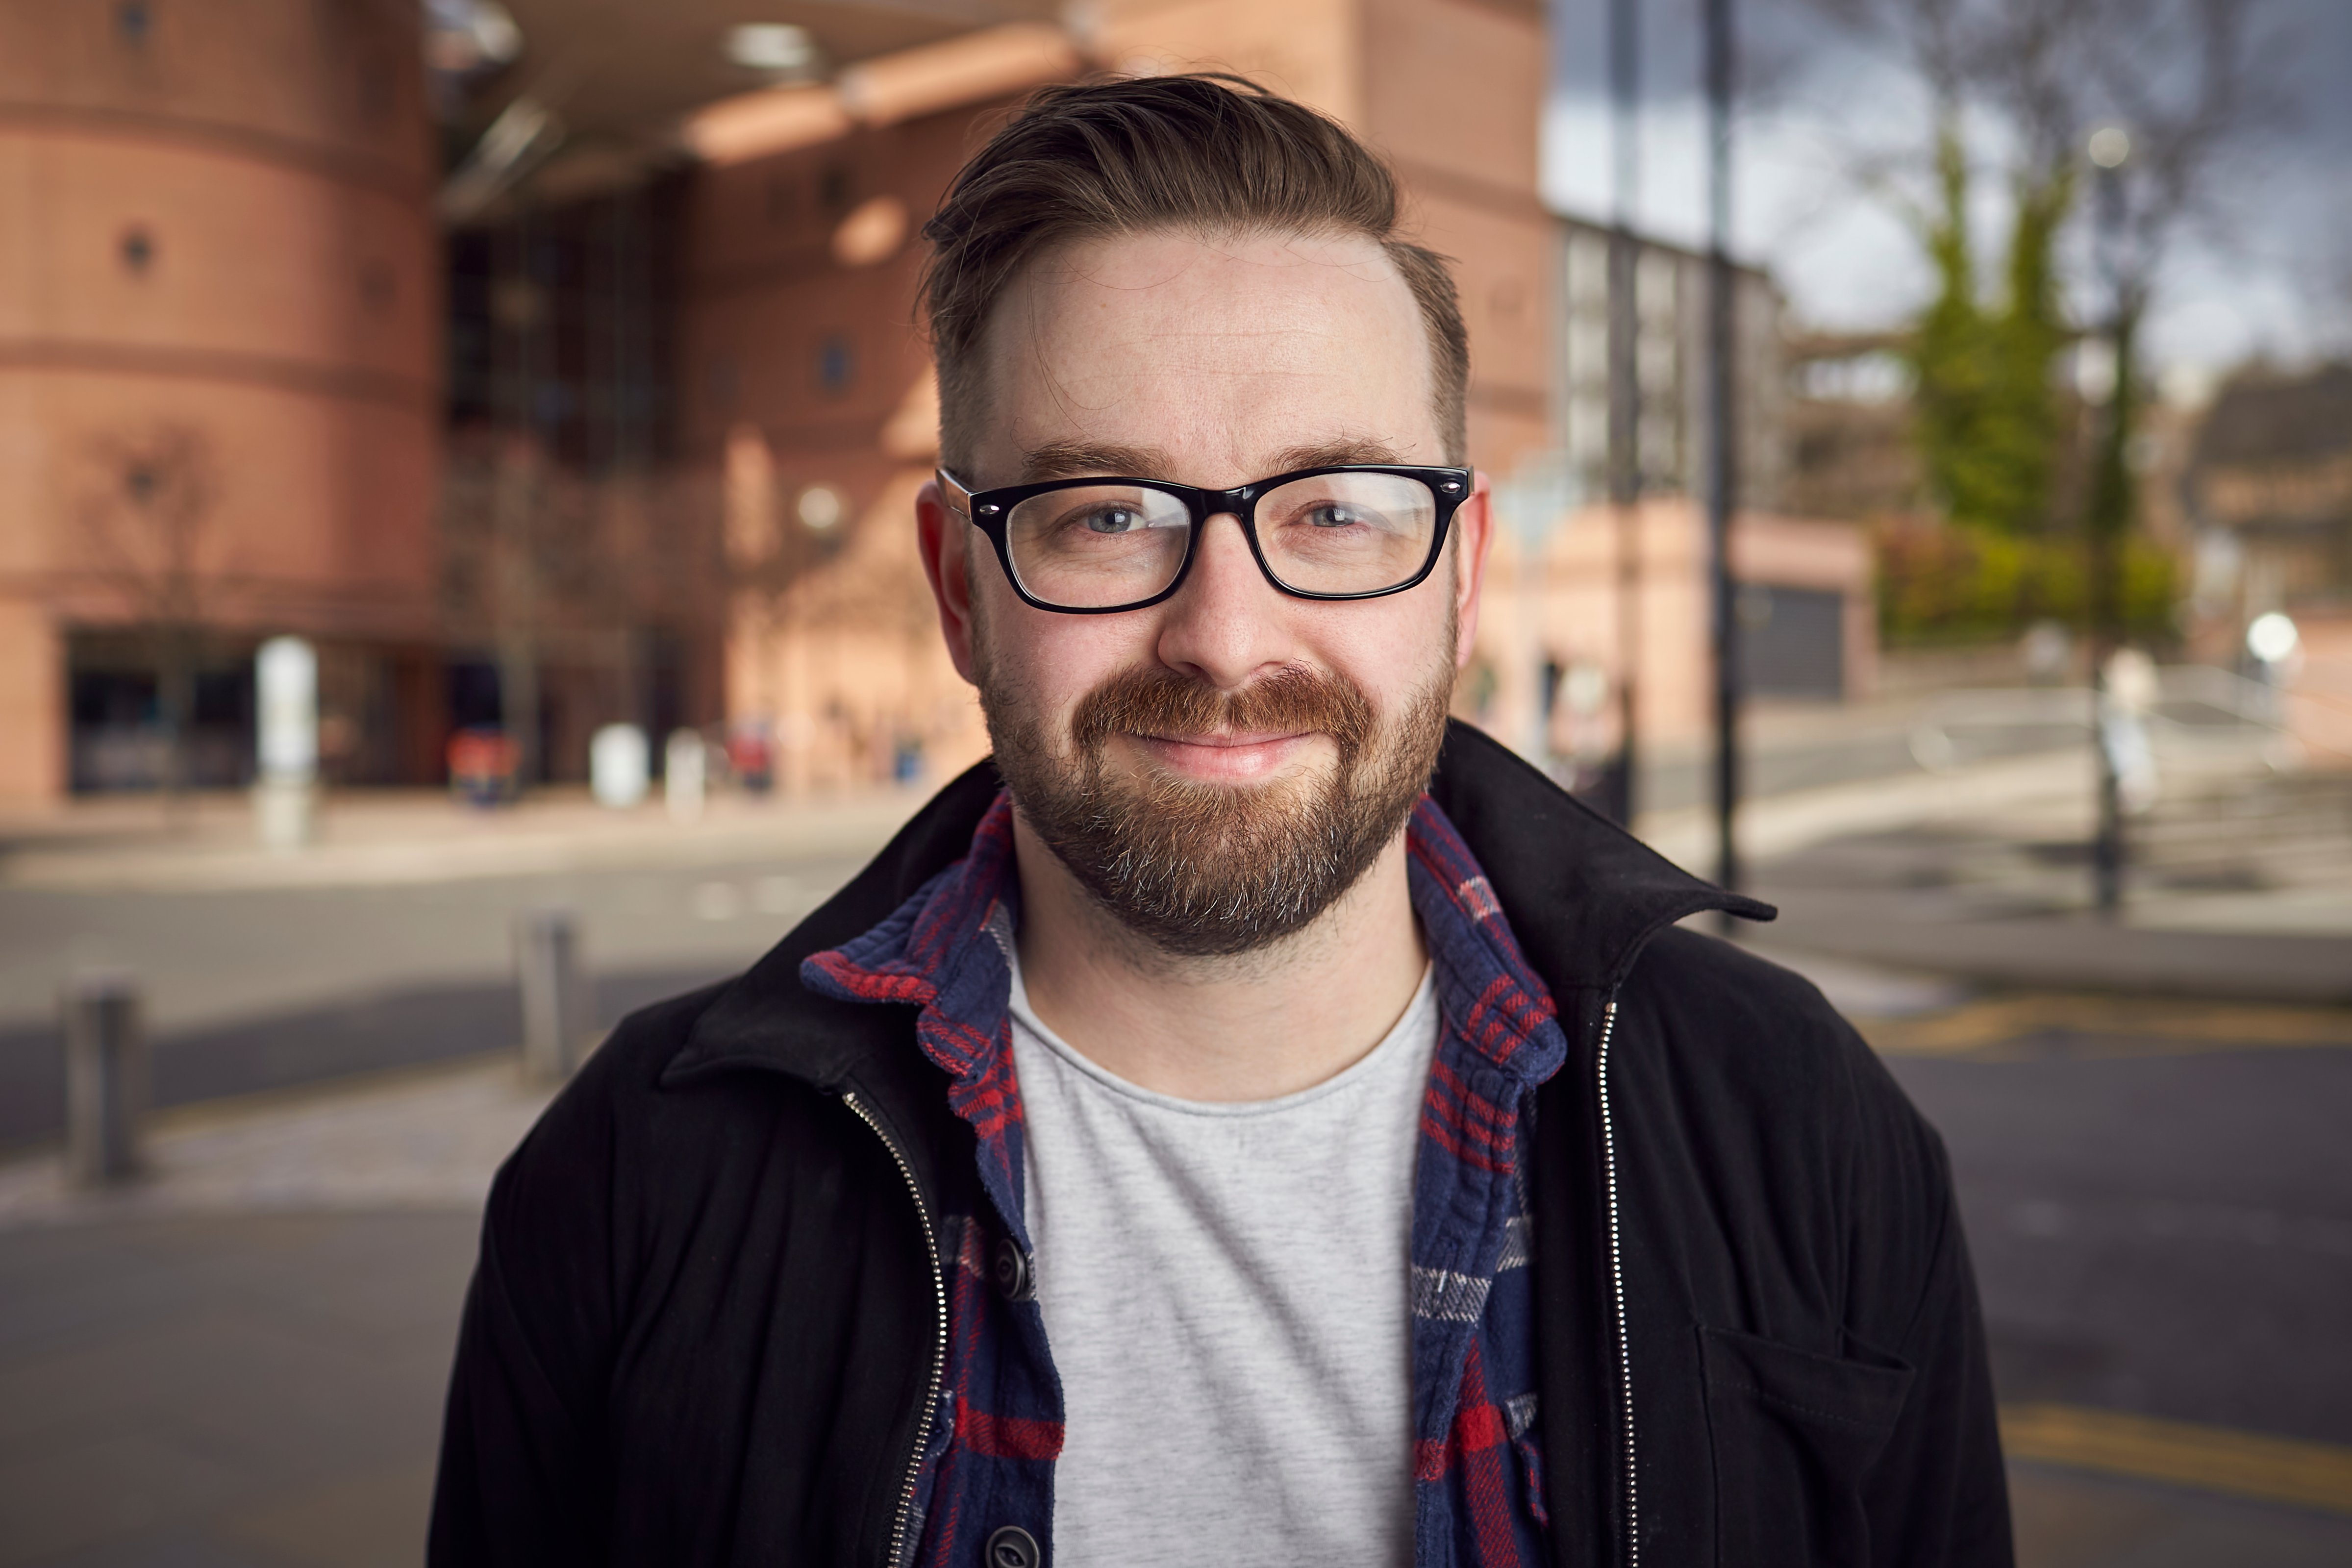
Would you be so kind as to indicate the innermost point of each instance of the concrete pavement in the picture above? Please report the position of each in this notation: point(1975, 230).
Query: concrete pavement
point(397, 955)
point(235, 1391)
point(387, 838)
point(422, 1138)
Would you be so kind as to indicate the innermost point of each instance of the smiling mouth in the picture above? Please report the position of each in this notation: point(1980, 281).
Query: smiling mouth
point(1239, 757)
point(1228, 739)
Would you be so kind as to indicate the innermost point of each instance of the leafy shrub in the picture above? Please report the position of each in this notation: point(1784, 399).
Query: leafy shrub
point(1941, 583)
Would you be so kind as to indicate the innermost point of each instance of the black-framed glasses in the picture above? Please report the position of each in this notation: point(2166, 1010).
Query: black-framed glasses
point(1093, 546)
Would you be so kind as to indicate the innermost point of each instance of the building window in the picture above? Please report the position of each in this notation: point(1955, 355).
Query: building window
point(138, 248)
point(133, 20)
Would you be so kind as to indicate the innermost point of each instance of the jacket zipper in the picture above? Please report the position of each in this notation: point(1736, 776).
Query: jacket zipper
point(940, 1346)
point(1617, 1286)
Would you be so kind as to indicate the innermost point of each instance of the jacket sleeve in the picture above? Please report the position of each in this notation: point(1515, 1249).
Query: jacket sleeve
point(1938, 1496)
point(522, 1472)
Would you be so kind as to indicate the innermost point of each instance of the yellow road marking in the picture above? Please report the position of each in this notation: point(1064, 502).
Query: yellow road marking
point(2108, 1026)
point(2208, 1458)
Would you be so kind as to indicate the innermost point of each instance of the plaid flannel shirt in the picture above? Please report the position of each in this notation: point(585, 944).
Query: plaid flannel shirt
point(1478, 1467)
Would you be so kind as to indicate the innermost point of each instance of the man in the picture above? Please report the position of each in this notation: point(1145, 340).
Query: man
point(1253, 1120)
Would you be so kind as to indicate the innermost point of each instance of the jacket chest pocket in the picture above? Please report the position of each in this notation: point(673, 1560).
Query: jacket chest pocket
point(1793, 1436)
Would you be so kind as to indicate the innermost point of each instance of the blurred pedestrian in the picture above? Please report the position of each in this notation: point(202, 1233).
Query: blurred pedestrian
point(1255, 1119)
point(482, 766)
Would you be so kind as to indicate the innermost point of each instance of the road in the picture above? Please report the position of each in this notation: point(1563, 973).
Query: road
point(2160, 1226)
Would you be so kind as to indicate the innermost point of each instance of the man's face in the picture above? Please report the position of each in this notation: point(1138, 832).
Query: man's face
point(1217, 768)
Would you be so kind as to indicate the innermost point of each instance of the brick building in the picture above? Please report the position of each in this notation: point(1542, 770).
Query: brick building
point(219, 388)
point(619, 417)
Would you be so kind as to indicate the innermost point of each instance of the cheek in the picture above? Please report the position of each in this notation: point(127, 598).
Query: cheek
point(1393, 648)
point(1042, 664)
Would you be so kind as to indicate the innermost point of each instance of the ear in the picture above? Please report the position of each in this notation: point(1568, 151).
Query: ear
point(943, 539)
point(1474, 531)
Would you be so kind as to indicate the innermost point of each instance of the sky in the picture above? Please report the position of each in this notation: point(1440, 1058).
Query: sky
point(2267, 277)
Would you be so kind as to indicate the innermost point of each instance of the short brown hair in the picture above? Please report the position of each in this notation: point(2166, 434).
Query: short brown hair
point(1202, 153)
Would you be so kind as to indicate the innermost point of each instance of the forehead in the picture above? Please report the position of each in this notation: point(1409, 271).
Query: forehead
point(1216, 350)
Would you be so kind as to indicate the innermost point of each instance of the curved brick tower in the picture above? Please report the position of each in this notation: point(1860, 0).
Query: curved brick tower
point(219, 327)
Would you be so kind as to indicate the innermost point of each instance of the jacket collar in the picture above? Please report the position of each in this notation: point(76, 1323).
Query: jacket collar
point(1582, 895)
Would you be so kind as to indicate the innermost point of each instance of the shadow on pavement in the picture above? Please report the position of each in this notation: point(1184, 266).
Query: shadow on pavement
point(399, 1029)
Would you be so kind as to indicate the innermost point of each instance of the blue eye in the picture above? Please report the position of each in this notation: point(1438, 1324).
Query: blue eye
point(1334, 517)
point(1114, 520)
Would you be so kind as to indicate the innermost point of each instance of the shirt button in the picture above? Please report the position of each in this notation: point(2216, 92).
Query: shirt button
point(1013, 1281)
point(1013, 1547)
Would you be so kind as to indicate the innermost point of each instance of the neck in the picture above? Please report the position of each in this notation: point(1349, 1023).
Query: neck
point(1252, 1027)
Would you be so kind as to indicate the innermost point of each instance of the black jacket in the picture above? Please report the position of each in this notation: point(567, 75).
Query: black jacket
point(703, 1318)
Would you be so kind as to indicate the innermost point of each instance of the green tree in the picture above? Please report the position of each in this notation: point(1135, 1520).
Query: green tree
point(2024, 428)
point(2186, 82)
point(1949, 370)
point(1988, 424)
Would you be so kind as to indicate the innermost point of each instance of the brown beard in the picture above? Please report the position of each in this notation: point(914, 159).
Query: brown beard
point(1212, 871)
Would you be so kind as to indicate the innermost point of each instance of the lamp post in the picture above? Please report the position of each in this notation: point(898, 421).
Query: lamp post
point(2108, 149)
point(1723, 435)
point(1624, 466)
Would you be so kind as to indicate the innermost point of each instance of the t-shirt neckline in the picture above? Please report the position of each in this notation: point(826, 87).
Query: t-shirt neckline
point(1396, 1040)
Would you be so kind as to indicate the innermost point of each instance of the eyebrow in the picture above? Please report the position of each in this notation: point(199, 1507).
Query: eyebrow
point(1335, 454)
point(1076, 459)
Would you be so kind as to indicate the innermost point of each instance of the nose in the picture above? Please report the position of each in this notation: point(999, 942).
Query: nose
point(1226, 625)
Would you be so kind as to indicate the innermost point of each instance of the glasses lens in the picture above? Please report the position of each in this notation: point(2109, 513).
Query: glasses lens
point(1093, 547)
point(1346, 533)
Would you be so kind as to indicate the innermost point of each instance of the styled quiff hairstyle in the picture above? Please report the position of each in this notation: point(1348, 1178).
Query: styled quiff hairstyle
point(1205, 154)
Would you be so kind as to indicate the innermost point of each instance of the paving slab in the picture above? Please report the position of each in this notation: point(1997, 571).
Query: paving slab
point(1903, 929)
point(429, 1138)
point(256, 1390)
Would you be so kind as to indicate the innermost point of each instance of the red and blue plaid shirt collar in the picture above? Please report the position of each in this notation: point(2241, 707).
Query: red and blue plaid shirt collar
point(1477, 1464)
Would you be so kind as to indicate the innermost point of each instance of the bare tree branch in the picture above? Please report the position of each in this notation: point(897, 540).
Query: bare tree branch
point(146, 521)
point(2182, 78)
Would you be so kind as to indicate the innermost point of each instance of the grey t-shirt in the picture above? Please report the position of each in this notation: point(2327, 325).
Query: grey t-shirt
point(1224, 1289)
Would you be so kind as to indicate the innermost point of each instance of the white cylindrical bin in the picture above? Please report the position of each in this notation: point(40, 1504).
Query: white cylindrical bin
point(286, 785)
point(685, 774)
point(620, 760)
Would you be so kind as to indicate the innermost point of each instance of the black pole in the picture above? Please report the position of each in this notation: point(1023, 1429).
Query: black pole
point(2108, 517)
point(1722, 470)
point(1624, 386)
point(517, 557)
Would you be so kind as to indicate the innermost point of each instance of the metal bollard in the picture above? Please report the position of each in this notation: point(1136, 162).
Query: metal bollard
point(106, 1078)
point(556, 1001)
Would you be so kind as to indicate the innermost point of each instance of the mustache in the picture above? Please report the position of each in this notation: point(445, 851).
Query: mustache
point(1160, 701)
